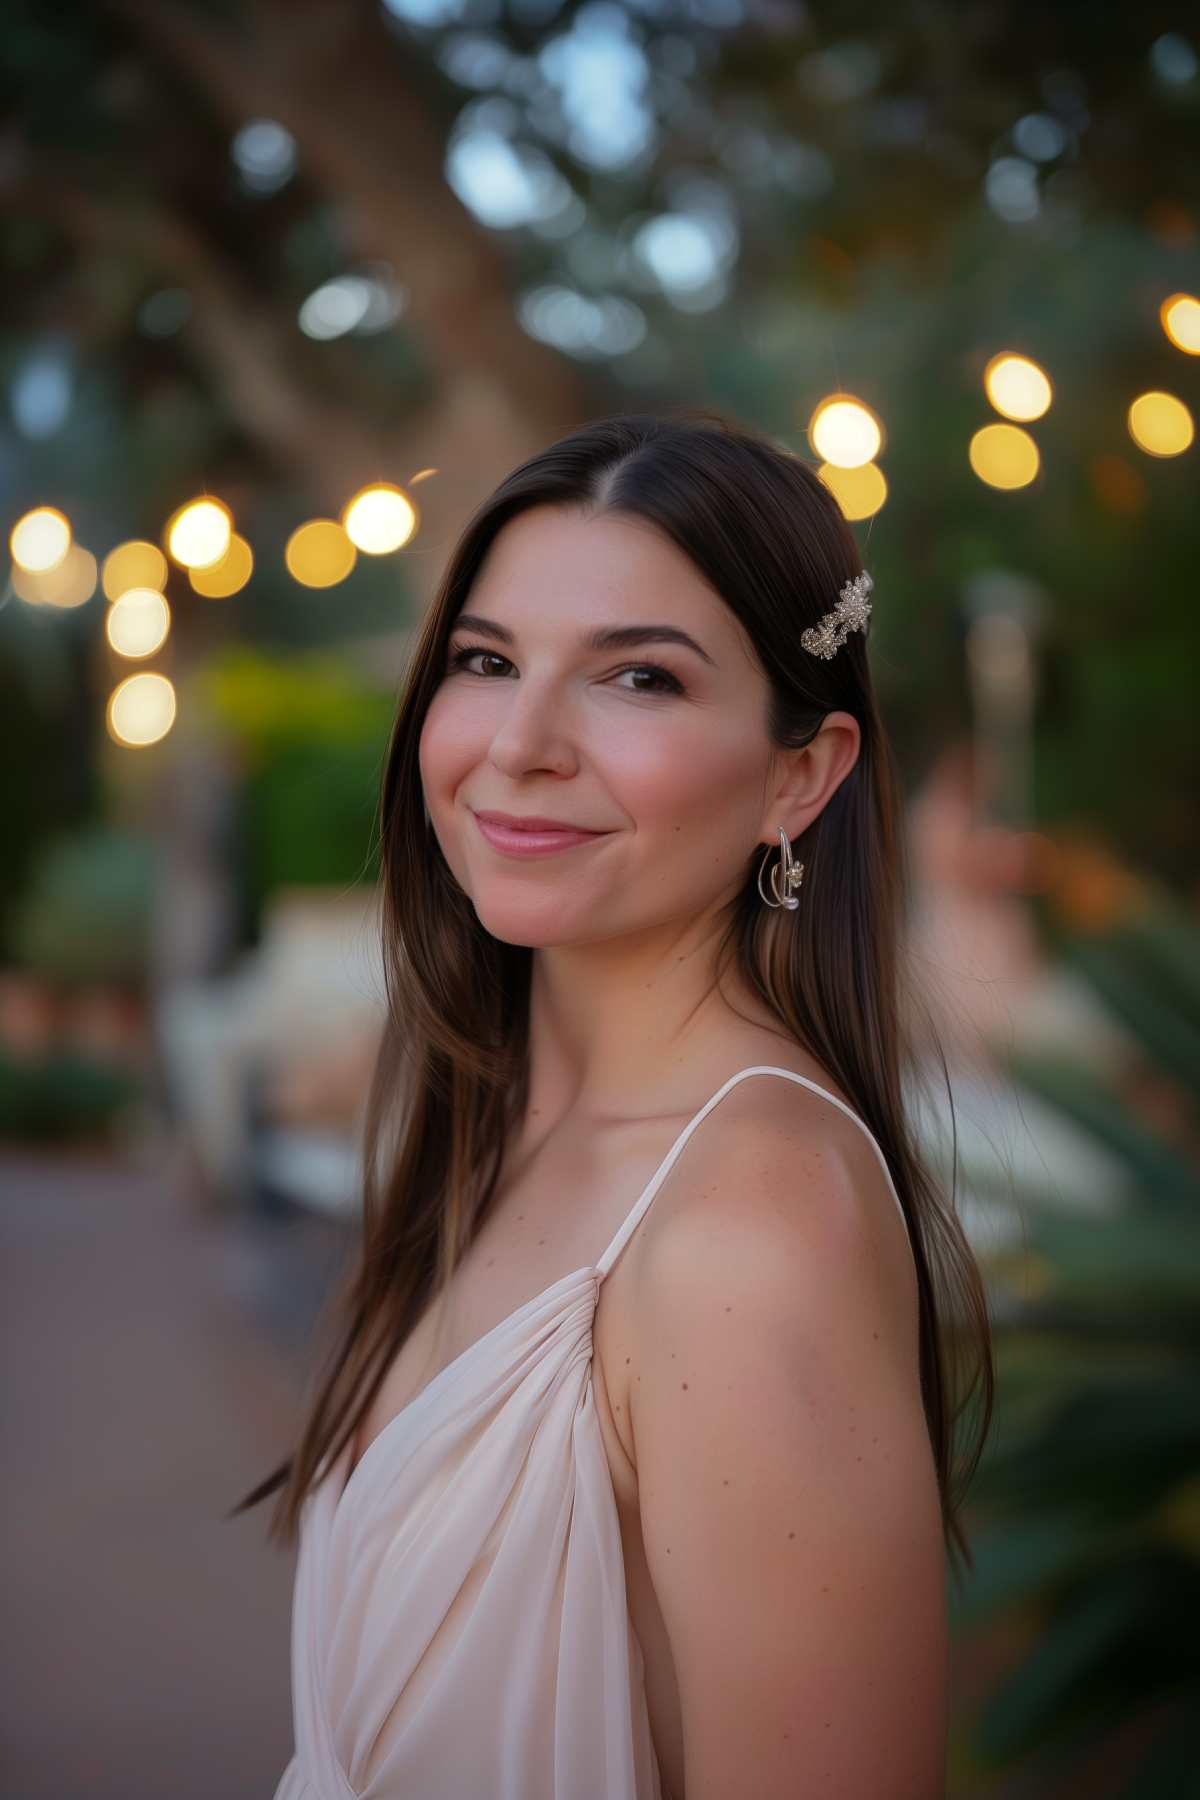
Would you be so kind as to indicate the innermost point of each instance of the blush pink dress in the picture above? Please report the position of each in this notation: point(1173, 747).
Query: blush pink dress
point(459, 1624)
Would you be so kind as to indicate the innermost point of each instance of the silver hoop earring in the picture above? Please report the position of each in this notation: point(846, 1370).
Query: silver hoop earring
point(793, 875)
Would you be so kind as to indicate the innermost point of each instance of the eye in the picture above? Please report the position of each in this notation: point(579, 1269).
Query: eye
point(458, 658)
point(661, 676)
point(666, 683)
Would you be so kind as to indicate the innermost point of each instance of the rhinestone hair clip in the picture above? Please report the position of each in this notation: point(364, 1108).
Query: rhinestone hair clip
point(850, 614)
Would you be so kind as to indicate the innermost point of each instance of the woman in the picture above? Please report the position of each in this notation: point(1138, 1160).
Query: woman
point(599, 1497)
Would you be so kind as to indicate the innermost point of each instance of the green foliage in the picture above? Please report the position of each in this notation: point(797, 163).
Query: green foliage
point(85, 912)
point(1089, 1490)
point(312, 740)
point(271, 702)
point(310, 814)
point(66, 1096)
point(45, 734)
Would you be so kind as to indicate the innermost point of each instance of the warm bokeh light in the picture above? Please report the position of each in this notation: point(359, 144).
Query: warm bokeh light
point(198, 534)
point(319, 554)
point(859, 492)
point(1004, 456)
point(141, 710)
point(135, 564)
point(40, 539)
point(69, 583)
point(845, 432)
point(138, 621)
point(1017, 387)
point(1180, 315)
point(380, 518)
point(1160, 424)
point(216, 581)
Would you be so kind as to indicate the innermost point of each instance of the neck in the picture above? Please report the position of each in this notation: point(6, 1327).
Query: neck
point(616, 1029)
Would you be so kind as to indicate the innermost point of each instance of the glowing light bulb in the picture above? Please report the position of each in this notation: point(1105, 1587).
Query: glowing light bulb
point(141, 710)
point(198, 534)
point(1160, 424)
point(1017, 386)
point(860, 492)
point(68, 583)
point(138, 622)
point(1180, 315)
point(380, 519)
point(1004, 456)
point(40, 539)
point(133, 564)
point(319, 554)
point(845, 432)
point(216, 581)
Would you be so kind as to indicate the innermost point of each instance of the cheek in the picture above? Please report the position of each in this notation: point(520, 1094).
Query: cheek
point(704, 770)
point(447, 750)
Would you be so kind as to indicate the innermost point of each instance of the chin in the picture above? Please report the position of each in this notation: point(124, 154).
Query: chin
point(525, 927)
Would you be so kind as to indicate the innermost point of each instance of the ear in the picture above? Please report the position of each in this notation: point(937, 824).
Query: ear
point(807, 779)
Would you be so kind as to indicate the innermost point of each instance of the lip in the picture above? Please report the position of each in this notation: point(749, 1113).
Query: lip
point(531, 822)
point(511, 841)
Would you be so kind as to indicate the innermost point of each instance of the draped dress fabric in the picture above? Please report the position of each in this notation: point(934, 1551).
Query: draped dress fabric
point(460, 1629)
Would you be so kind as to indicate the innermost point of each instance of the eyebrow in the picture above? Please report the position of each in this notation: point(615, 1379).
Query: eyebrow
point(607, 637)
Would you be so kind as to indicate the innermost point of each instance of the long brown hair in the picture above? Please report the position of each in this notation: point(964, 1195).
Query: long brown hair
point(451, 1076)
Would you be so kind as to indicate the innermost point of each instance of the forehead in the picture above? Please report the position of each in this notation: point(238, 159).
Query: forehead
point(550, 564)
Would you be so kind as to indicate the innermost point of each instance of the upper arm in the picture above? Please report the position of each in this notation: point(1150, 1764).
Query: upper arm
point(787, 1490)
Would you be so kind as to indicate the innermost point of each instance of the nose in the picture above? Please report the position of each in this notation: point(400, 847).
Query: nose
point(533, 731)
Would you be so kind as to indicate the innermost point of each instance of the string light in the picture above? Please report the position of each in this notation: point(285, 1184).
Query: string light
point(198, 534)
point(1017, 386)
point(134, 564)
point(141, 710)
point(1160, 424)
point(216, 581)
point(137, 622)
point(1180, 316)
point(380, 518)
point(1004, 456)
point(319, 554)
point(845, 432)
point(859, 492)
point(66, 584)
point(40, 539)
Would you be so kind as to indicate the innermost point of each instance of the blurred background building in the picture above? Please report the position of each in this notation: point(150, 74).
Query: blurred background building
point(289, 285)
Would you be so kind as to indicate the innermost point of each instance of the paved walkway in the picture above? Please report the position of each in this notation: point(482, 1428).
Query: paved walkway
point(152, 1359)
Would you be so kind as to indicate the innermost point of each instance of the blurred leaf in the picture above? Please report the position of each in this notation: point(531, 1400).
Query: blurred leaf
point(1159, 1175)
point(1104, 1448)
point(67, 1096)
point(310, 816)
point(1169, 1771)
point(1126, 1262)
point(1102, 1645)
point(1089, 1485)
point(1152, 989)
point(85, 913)
point(272, 702)
point(1018, 1558)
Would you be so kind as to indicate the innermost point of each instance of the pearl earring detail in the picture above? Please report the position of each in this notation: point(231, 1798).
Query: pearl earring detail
point(793, 875)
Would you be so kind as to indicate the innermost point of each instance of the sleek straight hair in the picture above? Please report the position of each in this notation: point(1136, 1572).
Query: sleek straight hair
point(451, 1078)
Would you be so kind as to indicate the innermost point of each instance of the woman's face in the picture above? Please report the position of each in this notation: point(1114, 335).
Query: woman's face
point(672, 768)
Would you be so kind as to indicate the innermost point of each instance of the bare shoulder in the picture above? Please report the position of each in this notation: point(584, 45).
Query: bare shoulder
point(779, 1179)
point(786, 1484)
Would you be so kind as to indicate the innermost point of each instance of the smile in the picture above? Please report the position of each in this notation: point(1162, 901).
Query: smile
point(533, 843)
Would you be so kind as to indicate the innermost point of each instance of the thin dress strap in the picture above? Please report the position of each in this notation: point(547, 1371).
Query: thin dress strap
point(642, 1203)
